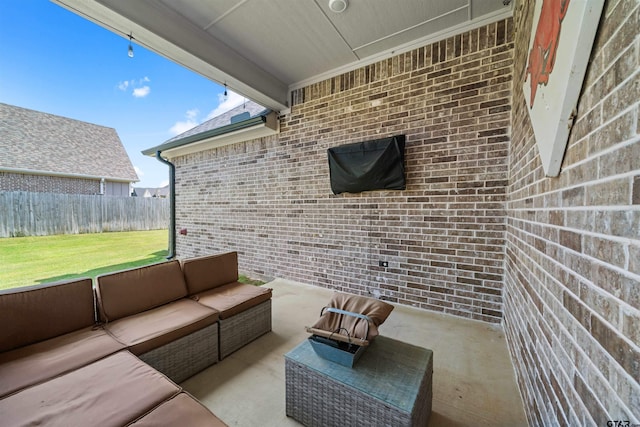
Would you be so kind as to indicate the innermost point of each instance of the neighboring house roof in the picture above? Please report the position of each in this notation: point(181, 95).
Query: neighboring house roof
point(41, 143)
point(247, 116)
point(151, 191)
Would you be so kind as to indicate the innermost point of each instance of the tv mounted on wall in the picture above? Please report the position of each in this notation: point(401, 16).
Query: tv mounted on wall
point(370, 165)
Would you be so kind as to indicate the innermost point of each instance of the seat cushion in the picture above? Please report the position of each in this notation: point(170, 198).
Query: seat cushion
point(181, 410)
point(133, 291)
point(154, 328)
point(36, 313)
point(113, 391)
point(208, 272)
point(233, 298)
point(39, 362)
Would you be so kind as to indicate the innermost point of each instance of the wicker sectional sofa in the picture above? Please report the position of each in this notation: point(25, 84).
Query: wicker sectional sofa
point(111, 355)
point(159, 324)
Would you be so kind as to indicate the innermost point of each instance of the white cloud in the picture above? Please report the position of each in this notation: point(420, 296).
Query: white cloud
point(232, 101)
point(138, 87)
point(190, 122)
point(138, 171)
point(191, 116)
point(164, 183)
point(181, 127)
point(141, 92)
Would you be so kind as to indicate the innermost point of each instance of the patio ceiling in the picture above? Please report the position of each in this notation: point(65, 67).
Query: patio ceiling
point(262, 49)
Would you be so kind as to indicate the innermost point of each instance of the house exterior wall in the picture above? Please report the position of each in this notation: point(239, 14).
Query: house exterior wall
point(117, 189)
point(572, 281)
point(10, 181)
point(443, 237)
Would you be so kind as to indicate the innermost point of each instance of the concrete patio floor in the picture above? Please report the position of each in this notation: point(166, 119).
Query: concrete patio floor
point(473, 381)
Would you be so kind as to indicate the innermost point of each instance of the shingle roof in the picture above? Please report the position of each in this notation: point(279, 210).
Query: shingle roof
point(36, 141)
point(223, 119)
point(244, 116)
point(153, 191)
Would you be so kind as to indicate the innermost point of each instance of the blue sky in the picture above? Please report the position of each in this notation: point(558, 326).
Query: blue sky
point(54, 61)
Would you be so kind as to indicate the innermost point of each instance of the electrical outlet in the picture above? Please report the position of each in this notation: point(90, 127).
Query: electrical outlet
point(384, 264)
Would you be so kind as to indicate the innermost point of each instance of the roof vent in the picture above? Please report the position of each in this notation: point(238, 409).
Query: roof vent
point(240, 117)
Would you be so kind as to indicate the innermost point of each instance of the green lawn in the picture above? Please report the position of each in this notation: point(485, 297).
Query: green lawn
point(32, 260)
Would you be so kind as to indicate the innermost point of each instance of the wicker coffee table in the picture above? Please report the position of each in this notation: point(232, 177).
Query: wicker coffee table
point(389, 386)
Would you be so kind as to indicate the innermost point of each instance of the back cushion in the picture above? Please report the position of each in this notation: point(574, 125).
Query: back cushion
point(37, 313)
point(210, 272)
point(132, 291)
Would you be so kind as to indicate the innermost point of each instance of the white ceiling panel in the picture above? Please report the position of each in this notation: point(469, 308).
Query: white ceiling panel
point(201, 12)
point(364, 24)
point(413, 33)
point(293, 38)
point(481, 8)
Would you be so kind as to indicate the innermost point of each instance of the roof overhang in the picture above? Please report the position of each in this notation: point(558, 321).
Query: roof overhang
point(264, 49)
point(255, 127)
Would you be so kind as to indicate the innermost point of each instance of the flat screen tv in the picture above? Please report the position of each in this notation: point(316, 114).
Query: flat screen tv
point(366, 166)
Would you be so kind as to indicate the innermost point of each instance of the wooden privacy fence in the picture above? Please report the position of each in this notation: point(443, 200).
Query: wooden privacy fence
point(41, 214)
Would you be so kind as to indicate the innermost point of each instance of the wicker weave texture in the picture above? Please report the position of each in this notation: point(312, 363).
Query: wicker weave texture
point(390, 386)
point(186, 356)
point(420, 416)
point(316, 401)
point(244, 327)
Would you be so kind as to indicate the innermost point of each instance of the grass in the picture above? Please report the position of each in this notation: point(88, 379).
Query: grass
point(33, 260)
point(244, 279)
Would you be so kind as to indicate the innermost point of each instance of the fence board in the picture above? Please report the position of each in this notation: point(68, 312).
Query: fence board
point(40, 214)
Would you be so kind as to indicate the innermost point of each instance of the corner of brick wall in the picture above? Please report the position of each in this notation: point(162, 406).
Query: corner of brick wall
point(572, 279)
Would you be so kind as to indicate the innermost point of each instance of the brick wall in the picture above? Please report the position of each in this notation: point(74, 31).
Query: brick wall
point(47, 184)
point(443, 237)
point(572, 280)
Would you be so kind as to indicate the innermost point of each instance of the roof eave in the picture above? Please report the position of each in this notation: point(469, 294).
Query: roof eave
point(255, 127)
